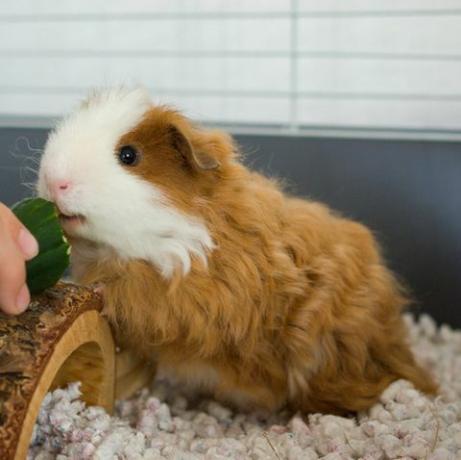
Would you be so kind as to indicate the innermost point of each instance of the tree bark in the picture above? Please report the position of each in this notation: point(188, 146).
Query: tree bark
point(35, 345)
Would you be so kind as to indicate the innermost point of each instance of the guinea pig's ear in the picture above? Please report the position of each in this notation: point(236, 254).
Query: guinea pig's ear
point(196, 159)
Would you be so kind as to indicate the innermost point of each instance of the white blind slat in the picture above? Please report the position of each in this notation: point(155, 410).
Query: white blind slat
point(295, 63)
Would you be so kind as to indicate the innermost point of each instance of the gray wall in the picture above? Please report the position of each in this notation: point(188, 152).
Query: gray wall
point(408, 192)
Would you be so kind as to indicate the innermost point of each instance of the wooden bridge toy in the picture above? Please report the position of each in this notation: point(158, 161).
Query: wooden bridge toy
point(61, 338)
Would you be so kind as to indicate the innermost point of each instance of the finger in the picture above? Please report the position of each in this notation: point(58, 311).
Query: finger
point(14, 295)
point(23, 238)
point(27, 243)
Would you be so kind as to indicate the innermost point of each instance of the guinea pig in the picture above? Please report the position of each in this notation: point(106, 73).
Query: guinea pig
point(214, 274)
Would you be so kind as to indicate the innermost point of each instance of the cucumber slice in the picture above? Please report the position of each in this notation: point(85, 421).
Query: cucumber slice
point(41, 219)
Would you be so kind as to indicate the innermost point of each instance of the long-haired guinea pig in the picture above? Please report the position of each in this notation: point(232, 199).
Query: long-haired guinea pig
point(213, 273)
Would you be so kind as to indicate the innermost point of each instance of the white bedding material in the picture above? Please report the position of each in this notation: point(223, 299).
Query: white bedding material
point(161, 423)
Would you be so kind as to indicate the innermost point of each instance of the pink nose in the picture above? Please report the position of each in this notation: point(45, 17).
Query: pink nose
point(60, 186)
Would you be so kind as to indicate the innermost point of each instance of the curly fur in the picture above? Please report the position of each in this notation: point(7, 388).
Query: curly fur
point(294, 305)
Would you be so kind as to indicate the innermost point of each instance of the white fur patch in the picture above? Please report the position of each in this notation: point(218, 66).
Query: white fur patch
point(122, 210)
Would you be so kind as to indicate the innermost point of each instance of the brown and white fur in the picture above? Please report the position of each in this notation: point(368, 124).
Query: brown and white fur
point(214, 274)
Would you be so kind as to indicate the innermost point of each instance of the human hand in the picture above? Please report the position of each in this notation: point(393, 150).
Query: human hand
point(16, 246)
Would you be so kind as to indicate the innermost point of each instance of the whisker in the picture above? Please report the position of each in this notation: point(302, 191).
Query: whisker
point(29, 162)
point(29, 186)
point(18, 148)
point(30, 169)
point(33, 160)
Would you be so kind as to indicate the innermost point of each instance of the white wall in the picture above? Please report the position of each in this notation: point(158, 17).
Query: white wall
point(328, 63)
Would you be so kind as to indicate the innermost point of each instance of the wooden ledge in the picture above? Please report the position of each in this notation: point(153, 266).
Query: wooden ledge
point(60, 338)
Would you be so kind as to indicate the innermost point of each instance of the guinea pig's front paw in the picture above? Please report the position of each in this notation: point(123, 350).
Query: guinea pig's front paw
point(98, 289)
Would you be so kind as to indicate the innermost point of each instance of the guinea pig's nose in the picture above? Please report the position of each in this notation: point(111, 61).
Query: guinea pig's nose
point(59, 187)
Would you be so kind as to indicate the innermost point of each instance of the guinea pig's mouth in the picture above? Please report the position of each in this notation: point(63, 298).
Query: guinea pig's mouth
point(74, 219)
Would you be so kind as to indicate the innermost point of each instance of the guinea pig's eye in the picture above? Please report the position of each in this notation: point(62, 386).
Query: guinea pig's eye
point(128, 155)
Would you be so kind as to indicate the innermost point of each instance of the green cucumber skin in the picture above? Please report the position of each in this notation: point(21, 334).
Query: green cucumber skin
point(46, 269)
point(41, 219)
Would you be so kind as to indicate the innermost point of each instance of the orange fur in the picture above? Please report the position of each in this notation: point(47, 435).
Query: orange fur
point(296, 306)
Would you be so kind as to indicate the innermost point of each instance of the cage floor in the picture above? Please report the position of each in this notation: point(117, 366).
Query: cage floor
point(164, 423)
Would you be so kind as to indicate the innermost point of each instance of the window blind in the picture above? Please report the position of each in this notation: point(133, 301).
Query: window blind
point(277, 63)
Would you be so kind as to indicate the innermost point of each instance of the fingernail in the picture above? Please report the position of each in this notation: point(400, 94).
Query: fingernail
point(23, 299)
point(27, 243)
